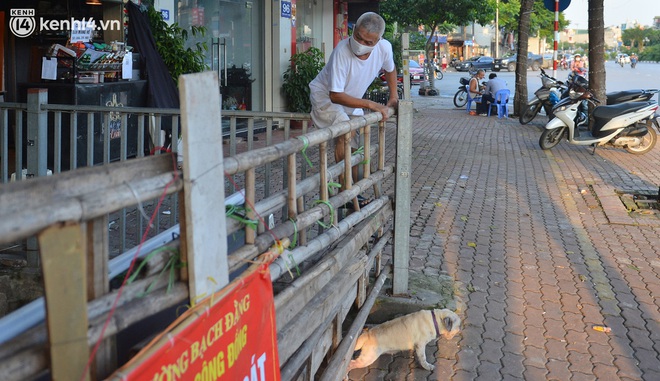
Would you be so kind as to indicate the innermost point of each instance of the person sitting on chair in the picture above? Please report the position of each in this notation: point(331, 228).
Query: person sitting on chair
point(493, 85)
point(476, 90)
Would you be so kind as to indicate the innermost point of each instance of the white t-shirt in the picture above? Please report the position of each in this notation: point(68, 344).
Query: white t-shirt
point(345, 73)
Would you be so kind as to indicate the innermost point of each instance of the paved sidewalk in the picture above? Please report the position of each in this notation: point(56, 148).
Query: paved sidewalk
point(526, 231)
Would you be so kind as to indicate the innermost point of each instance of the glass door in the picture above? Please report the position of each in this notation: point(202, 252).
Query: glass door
point(230, 28)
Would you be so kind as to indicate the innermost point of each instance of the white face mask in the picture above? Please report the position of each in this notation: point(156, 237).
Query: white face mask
point(359, 49)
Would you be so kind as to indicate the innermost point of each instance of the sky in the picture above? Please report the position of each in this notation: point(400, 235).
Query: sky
point(616, 12)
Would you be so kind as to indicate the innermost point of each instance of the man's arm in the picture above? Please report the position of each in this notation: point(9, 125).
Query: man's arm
point(390, 77)
point(349, 101)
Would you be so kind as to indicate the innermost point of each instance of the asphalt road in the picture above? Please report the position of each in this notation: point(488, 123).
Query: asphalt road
point(645, 76)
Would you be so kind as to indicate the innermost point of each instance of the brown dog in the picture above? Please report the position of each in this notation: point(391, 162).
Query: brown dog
point(407, 332)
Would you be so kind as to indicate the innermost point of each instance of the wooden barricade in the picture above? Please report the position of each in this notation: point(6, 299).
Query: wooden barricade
point(68, 213)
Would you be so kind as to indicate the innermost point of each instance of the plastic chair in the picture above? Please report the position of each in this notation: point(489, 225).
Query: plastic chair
point(470, 99)
point(502, 103)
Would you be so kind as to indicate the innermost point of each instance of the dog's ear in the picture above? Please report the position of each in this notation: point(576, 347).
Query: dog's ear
point(448, 322)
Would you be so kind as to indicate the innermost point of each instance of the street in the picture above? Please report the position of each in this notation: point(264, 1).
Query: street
point(645, 76)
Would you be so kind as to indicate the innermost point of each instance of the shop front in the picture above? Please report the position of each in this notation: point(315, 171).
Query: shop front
point(77, 51)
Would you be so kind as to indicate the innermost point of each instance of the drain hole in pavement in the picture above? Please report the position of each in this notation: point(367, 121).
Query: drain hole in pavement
point(642, 202)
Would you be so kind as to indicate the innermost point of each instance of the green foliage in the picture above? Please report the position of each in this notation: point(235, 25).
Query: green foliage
point(395, 39)
point(651, 53)
point(433, 13)
point(542, 20)
point(303, 69)
point(435, 16)
point(170, 43)
point(417, 41)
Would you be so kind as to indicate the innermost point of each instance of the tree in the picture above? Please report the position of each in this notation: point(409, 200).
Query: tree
point(597, 49)
point(520, 99)
point(436, 14)
point(635, 35)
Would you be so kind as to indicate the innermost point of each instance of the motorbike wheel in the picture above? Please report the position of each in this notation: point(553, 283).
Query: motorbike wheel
point(460, 98)
point(439, 75)
point(550, 138)
point(529, 113)
point(647, 144)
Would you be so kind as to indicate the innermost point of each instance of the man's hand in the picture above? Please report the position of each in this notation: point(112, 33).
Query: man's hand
point(384, 110)
point(393, 102)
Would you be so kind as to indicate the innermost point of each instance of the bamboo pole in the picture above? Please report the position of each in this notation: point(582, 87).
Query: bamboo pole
point(302, 234)
point(381, 154)
point(292, 204)
point(130, 313)
point(291, 369)
point(309, 217)
point(98, 284)
point(323, 175)
point(242, 161)
point(292, 300)
point(278, 200)
point(99, 201)
point(348, 170)
point(336, 368)
point(367, 151)
point(296, 331)
point(250, 200)
point(36, 337)
point(325, 240)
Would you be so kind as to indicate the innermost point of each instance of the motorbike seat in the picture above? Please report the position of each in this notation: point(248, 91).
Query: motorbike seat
point(616, 97)
point(603, 114)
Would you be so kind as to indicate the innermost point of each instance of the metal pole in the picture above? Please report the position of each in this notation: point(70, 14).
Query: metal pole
point(497, 29)
point(554, 54)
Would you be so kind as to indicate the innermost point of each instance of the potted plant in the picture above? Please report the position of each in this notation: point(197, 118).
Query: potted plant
point(303, 69)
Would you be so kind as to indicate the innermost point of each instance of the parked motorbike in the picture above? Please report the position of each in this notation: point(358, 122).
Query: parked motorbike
point(628, 125)
point(460, 98)
point(637, 95)
point(542, 98)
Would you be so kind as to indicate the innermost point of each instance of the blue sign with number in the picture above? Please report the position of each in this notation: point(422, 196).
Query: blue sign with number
point(166, 14)
point(286, 9)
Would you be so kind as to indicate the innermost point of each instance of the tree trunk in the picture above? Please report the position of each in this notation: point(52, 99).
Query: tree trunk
point(524, 25)
point(597, 49)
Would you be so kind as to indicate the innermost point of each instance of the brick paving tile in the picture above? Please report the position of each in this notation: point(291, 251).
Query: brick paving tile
point(580, 362)
point(548, 262)
point(577, 376)
point(627, 368)
point(605, 372)
point(534, 373)
point(558, 370)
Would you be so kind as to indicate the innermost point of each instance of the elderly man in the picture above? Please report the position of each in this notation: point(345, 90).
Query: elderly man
point(337, 90)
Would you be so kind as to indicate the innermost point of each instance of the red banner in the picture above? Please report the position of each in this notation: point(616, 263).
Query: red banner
point(232, 338)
